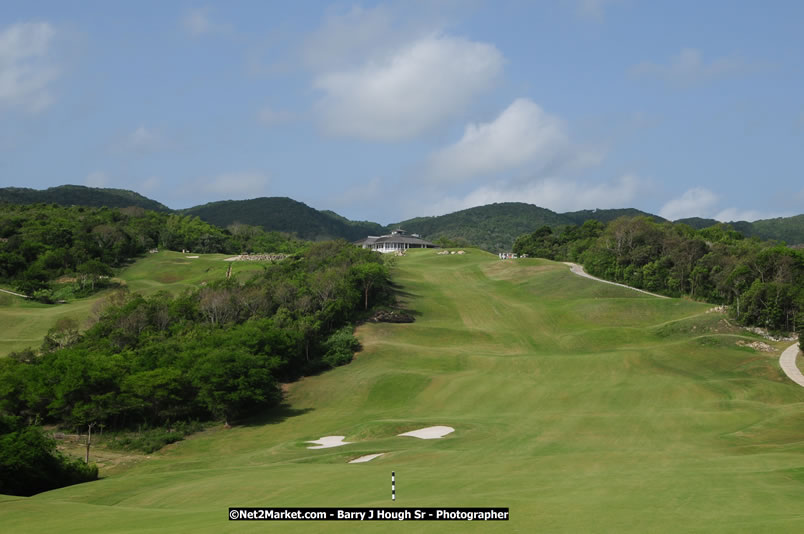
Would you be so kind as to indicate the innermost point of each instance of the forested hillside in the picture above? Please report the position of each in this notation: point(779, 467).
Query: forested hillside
point(761, 281)
point(79, 195)
point(787, 229)
point(282, 214)
point(40, 243)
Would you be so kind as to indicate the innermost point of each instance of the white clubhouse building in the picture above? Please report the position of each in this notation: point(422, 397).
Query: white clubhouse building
point(397, 241)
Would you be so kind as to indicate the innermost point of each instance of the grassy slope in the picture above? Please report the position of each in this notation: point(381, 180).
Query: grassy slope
point(25, 323)
point(582, 406)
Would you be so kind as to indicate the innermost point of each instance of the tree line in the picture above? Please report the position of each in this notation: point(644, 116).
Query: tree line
point(762, 282)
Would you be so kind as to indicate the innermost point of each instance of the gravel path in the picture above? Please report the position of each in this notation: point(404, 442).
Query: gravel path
point(788, 363)
point(577, 269)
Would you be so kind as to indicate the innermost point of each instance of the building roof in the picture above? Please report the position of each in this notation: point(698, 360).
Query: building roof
point(397, 236)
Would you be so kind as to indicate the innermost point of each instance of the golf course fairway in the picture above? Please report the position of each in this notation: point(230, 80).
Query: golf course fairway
point(581, 406)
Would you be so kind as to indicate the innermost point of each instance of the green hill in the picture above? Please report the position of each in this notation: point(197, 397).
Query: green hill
point(582, 406)
point(281, 214)
point(79, 195)
point(493, 227)
point(697, 222)
point(606, 215)
point(787, 229)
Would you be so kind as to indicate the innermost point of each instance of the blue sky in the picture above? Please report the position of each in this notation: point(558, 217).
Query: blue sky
point(384, 111)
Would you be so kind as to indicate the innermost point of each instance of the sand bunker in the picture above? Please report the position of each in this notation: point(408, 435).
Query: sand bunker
point(329, 441)
point(366, 458)
point(431, 432)
point(192, 257)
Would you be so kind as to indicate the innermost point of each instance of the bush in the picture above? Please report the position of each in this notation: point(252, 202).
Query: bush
point(30, 463)
point(340, 347)
point(151, 440)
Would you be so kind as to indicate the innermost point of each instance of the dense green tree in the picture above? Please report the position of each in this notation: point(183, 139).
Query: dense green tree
point(30, 464)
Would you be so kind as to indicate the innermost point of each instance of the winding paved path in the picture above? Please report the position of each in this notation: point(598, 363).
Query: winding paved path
point(788, 363)
point(577, 269)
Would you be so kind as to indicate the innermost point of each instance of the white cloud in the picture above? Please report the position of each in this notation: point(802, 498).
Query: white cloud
point(409, 91)
point(271, 117)
point(197, 22)
point(351, 37)
point(552, 193)
point(249, 184)
point(151, 184)
point(344, 36)
point(522, 134)
point(593, 9)
point(26, 70)
point(144, 140)
point(359, 195)
point(688, 68)
point(735, 214)
point(701, 202)
point(696, 202)
point(96, 179)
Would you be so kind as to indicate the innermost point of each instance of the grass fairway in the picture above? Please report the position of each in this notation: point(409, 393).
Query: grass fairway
point(24, 323)
point(582, 406)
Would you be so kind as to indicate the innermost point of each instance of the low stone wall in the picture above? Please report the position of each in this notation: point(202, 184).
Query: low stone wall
point(258, 257)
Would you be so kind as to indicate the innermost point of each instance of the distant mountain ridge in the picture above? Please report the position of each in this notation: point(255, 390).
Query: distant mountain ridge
point(493, 227)
point(282, 214)
point(79, 195)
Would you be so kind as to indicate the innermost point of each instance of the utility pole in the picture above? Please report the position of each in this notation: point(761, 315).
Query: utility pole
point(89, 439)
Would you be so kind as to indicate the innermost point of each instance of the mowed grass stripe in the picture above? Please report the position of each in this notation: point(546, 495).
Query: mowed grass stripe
point(582, 406)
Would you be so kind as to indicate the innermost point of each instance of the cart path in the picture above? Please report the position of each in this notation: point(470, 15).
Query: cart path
point(788, 363)
point(577, 269)
point(787, 360)
point(15, 294)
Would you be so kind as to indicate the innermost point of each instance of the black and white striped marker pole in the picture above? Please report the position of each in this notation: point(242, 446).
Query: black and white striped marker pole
point(393, 486)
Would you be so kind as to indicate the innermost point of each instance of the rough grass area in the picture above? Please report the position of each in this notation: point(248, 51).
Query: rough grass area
point(24, 323)
point(581, 406)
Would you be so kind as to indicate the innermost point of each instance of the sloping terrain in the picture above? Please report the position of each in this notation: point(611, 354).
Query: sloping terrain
point(581, 406)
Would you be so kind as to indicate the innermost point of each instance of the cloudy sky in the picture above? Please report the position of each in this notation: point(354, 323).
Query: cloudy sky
point(384, 111)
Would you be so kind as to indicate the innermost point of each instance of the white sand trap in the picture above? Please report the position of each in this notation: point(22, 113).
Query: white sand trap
point(233, 258)
point(192, 257)
point(366, 458)
point(329, 441)
point(431, 432)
